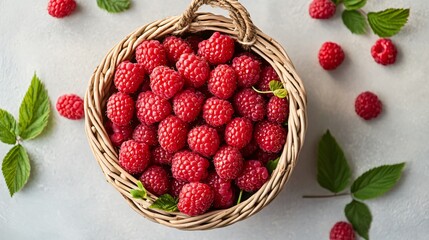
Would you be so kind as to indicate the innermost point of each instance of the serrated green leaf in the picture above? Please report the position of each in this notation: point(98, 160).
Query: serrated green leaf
point(272, 164)
point(7, 127)
point(165, 202)
point(114, 6)
point(376, 181)
point(34, 111)
point(354, 21)
point(333, 171)
point(337, 1)
point(388, 22)
point(140, 192)
point(280, 93)
point(359, 215)
point(274, 85)
point(354, 4)
point(16, 169)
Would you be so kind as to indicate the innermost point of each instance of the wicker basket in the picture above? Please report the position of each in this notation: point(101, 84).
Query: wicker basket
point(240, 27)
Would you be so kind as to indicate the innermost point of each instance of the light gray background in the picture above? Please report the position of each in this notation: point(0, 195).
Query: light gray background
point(68, 198)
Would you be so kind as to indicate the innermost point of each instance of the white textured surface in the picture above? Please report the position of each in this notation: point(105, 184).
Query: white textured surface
point(68, 198)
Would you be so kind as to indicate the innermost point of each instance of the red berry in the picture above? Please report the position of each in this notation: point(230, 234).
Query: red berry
point(145, 134)
point(195, 199)
point(367, 105)
point(152, 108)
point(70, 106)
point(331, 55)
point(248, 70)
point(223, 81)
point(193, 41)
point(194, 69)
point(120, 108)
point(61, 8)
point(151, 54)
point(238, 132)
point(384, 51)
point(189, 166)
point(165, 82)
point(218, 49)
point(268, 74)
point(128, 76)
point(322, 9)
point(250, 104)
point(176, 187)
point(174, 47)
point(187, 104)
point(270, 137)
point(118, 134)
point(172, 134)
point(277, 110)
point(134, 157)
point(228, 162)
point(224, 194)
point(342, 231)
point(155, 180)
point(253, 176)
point(217, 112)
point(160, 156)
point(249, 149)
point(203, 140)
point(265, 157)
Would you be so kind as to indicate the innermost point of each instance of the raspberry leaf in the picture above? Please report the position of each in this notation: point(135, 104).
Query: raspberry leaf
point(114, 6)
point(377, 181)
point(16, 169)
point(272, 164)
point(7, 127)
point(139, 193)
point(275, 85)
point(337, 1)
point(165, 202)
point(280, 93)
point(354, 21)
point(359, 215)
point(354, 4)
point(388, 22)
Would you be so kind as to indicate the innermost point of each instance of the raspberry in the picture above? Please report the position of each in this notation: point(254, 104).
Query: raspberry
point(223, 81)
point(228, 162)
point(217, 112)
point(218, 49)
point(265, 157)
point(70, 106)
point(151, 54)
point(195, 199)
point(268, 74)
point(248, 70)
point(128, 76)
point(145, 134)
point(322, 9)
point(187, 105)
point(193, 41)
point(172, 134)
point(165, 82)
point(277, 110)
point(174, 47)
point(176, 187)
point(134, 157)
point(61, 8)
point(120, 108)
point(342, 231)
point(189, 166)
point(155, 180)
point(270, 137)
point(194, 69)
point(367, 105)
point(249, 149)
point(238, 132)
point(384, 51)
point(250, 104)
point(203, 140)
point(331, 55)
point(160, 156)
point(120, 134)
point(152, 108)
point(224, 194)
point(253, 176)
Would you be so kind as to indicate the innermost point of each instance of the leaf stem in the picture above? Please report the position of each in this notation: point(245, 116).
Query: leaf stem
point(326, 196)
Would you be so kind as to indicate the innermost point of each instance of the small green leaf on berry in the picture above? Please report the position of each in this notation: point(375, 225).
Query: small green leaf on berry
point(354, 21)
point(139, 193)
point(272, 164)
point(114, 6)
point(354, 4)
point(280, 93)
point(16, 169)
point(359, 215)
point(8, 127)
point(274, 85)
point(388, 22)
point(165, 202)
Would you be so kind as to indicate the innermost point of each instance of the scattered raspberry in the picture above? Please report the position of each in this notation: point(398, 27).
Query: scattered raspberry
point(223, 81)
point(172, 134)
point(224, 194)
point(270, 137)
point(342, 231)
point(249, 149)
point(145, 134)
point(217, 112)
point(187, 104)
point(238, 132)
point(120, 134)
point(120, 109)
point(151, 54)
point(195, 199)
point(218, 49)
point(152, 108)
point(277, 110)
point(134, 157)
point(253, 176)
point(193, 41)
point(128, 76)
point(189, 166)
point(165, 82)
point(160, 156)
point(331, 55)
point(322, 9)
point(194, 69)
point(268, 74)
point(250, 104)
point(384, 51)
point(174, 47)
point(367, 105)
point(61, 8)
point(228, 162)
point(248, 70)
point(203, 140)
point(155, 180)
point(265, 157)
point(176, 187)
point(70, 106)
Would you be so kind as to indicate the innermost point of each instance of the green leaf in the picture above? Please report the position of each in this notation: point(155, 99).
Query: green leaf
point(34, 111)
point(333, 171)
point(16, 169)
point(165, 202)
point(280, 93)
point(274, 85)
point(7, 127)
point(272, 164)
point(354, 21)
point(377, 181)
point(388, 22)
point(114, 6)
point(360, 217)
point(337, 1)
point(354, 4)
point(140, 193)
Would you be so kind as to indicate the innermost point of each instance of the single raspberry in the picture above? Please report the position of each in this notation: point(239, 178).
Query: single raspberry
point(250, 104)
point(187, 104)
point(203, 140)
point(120, 109)
point(128, 76)
point(189, 166)
point(152, 108)
point(224, 194)
point(195, 199)
point(61, 8)
point(342, 231)
point(249, 149)
point(277, 110)
point(331, 55)
point(217, 112)
point(218, 49)
point(155, 180)
point(174, 47)
point(172, 133)
point(160, 156)
point(194, 69)
point(193, 41)
point(367, 105)
point(70, 106)
point(238, 132)
point(253, 176)
point(145, 134)
point(119, 134)
point(265, 157)
point(134, 157)
point(223, 81)
point(165, 82)
point(228, 162)
point(322, 9)
point(384, 51)
point(268, 74)
point(151, 54)
point(270, 137)
point(176, 187)
point(248, 70)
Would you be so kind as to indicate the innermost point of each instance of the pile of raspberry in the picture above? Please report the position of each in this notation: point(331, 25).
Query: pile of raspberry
point(188, 123)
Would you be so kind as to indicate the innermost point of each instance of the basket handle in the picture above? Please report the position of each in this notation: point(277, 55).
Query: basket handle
point(238, 14)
